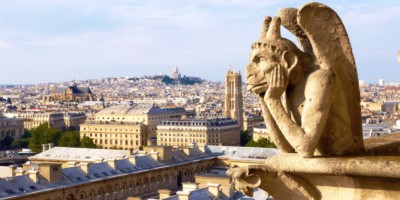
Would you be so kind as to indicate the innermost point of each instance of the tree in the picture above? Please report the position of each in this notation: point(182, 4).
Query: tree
point(20, 143)
point(263, 143)
point(6, 141)
point(87, 142)
point(43, 134)
point(27, 134)
point(167, 80)
point(69, 139)
point(244, 138)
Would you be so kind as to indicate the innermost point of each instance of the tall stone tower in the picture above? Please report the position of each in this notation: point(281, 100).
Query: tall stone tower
point(234, 97)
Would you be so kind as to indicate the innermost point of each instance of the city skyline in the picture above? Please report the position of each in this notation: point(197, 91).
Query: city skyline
point(47, 41)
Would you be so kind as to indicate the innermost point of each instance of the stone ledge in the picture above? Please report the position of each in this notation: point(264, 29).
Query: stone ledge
point(365, 166)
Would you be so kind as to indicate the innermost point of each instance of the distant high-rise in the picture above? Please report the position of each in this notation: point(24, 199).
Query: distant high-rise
point(234, 97)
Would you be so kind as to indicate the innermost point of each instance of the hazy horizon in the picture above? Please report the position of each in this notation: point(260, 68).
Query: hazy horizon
point(56, 41)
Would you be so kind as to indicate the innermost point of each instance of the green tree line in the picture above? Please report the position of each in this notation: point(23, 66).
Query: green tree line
point(246, 140)
point(43, 134)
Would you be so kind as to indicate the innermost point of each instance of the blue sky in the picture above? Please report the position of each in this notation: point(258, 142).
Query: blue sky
point(62, 40)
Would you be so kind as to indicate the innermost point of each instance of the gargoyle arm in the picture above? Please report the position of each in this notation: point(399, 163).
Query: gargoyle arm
point(304, 139)
point(276, 135)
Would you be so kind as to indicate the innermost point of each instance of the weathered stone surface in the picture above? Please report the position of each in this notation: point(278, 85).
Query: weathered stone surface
point(310, 96)
point(311, 105)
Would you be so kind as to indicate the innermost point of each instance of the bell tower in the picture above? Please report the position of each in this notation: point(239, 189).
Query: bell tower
point(233, 96)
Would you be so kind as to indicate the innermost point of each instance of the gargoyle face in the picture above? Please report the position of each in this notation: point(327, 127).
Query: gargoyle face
point(259, 71)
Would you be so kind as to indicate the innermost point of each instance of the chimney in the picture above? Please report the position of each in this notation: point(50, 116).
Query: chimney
point(154, 155)
point(98, 160)
point(71, 164)
point(19, 171)
point(34, 176)
point(85, 167)
point(111, 162)
point(141, 153)
point(214, 189)
point(132, 159)
point(183, 195)
point(52, 172)
point(202, 148)
point(12, 169)
point(26, 165)
point(164, 193)
point(187, 150)
point(45, 147)
point(51, 145)
point(188, 187)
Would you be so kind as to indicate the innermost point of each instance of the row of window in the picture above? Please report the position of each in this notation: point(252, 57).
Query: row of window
point(117, 142)
point(113, 135)
point(111, 129)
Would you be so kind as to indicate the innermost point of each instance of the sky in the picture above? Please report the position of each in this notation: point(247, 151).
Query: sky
point(64, 40)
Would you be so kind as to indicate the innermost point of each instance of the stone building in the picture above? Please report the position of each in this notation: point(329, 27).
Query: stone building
point(62, 121)
point(145, 114)
point(234, 97)
point(74, 119)
point(224, 131)
point(63, 173)
point(374, 107)
point(11, 127)
point(260, 131)
point(250, 121)
point(34, 119)
point(72, 93)
point(124, 135)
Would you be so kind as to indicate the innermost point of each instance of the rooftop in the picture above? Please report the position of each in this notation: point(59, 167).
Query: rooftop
point(141, 109)
point(78, 154)
point(200, 122)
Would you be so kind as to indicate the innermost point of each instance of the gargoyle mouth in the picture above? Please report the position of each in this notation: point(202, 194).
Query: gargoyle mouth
point(257, 88)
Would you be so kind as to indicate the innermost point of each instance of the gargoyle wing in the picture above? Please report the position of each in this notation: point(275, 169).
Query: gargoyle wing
point(332, 50)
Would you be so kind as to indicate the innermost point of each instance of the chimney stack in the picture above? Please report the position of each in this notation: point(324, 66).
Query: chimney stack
point(214, 189)
point(154, 155)
point(111, 162)
point(164, 193)
point(45, 147)
point(183, 195)
point(85, 167)
point(12, 169)
point(188, 187)
point(202, 148)
point(19, 171)
point(132, 159)
point(34, 175)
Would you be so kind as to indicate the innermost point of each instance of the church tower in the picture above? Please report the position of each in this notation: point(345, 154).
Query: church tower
point(234, 97)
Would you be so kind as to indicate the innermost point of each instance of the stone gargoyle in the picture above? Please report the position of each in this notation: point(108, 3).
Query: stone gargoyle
point(310, 96)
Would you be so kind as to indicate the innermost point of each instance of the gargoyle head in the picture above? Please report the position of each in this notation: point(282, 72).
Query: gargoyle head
point(270, 51)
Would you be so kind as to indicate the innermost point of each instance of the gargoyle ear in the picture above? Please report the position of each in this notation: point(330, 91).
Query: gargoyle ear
point(290, 60)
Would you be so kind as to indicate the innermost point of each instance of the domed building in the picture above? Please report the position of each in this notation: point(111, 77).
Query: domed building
point(175, 74)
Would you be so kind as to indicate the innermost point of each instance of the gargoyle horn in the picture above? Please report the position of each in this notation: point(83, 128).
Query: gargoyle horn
point(274, 30)
point(265, 27)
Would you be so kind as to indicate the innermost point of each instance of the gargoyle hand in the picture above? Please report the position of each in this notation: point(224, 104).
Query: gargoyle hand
point(278, 83)
point(242, 181)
